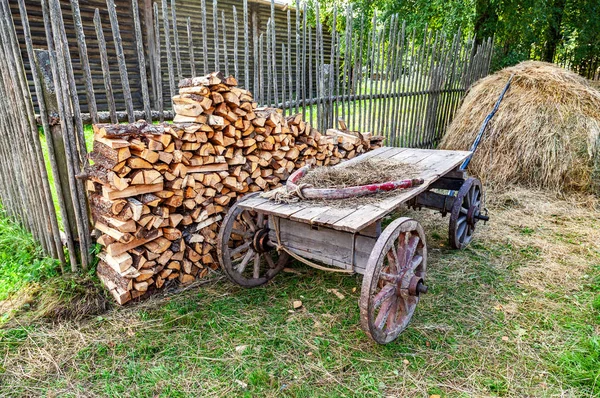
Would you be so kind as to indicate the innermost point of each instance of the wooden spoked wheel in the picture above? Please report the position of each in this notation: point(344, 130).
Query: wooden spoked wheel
point(244, 250)
point(465, 213)
point(393, 280)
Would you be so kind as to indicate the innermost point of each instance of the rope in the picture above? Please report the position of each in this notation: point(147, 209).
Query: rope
point(303, 260)
point(284, 195)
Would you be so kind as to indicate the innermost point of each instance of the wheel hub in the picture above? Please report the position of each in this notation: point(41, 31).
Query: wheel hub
point(260, 241)
point(417, 286)
point(411, 283)
point(473, 215)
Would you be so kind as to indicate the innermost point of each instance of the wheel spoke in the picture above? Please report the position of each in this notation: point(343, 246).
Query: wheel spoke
point(411, 247)
point(256, 273)
point(393, 316)
point(386, 292)
point(383, 314)
point(461, 220)
point(239, 249)
point(401, 253)
point(242, 266)
point(393, 278)
point(243, 234)
point(260, 220)
point(464, 210)
point(392, 257)
point(473, 195)
point(249, 221)
point(269, 260)
point(460, 231)
point(468, 199)
point(416, 261)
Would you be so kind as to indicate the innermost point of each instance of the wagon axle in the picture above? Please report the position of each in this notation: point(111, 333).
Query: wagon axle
point(417, 286)
point(260, 241)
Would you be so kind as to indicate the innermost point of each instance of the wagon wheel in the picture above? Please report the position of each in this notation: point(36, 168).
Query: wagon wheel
point(465, 213)
point(244, 250)
point(394, 278)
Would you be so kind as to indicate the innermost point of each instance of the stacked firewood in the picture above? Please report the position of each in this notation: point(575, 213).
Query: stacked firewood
point(158, 192)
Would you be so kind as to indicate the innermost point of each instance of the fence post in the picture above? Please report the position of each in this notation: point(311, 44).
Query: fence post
point(325, 106)
point(42, 69)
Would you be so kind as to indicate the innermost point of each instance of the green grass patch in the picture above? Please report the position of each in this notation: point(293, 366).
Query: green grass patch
point(484, 329)
point(21, 258)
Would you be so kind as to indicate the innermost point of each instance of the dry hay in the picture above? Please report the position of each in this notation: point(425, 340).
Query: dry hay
point(546, 133)
point(370, 171)
point(63, 298)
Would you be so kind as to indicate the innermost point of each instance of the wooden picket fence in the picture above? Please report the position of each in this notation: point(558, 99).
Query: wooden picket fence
point(375, 74)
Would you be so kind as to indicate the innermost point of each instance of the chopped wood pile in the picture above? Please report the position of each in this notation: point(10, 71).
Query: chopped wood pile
point(158, 192)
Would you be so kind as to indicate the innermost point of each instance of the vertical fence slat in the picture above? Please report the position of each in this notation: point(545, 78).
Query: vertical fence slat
point(112, 109)
point(225, 49)
point(289, 58)
point(255, 55)
point(191, 47)
point(299, 57)
point(274, 56)
point(216, 35)
point(246, 47)
point(169, 54)
point(176, 40)
point(283, 54)
point(204, 37)
point(157, 65)
point(236, 67)
point(261, 72)
point(114, 23)
point(85, 63)
point(303, 74)
point(141, 60)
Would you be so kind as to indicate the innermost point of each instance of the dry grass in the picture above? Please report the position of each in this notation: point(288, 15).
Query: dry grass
point(371, 171)
point(546, 133)
point(511, 315)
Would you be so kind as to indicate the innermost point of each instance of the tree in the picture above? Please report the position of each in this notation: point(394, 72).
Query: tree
point(486, 19)
point(553, 31)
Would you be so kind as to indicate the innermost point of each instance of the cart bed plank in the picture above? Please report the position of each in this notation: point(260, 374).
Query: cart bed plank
point(433, 164)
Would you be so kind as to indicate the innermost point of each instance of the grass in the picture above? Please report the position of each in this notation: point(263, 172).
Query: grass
point(21, 258)
point(515, 314)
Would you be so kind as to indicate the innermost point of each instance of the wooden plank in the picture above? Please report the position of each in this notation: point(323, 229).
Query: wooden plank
point(284, 210)
point(308, 213)
point(333, 215)
point(326, 245)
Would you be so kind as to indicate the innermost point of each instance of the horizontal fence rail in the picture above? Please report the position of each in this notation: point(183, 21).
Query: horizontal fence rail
point(121, 60)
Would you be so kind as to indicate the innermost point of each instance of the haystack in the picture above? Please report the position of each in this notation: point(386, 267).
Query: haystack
point(546, 133)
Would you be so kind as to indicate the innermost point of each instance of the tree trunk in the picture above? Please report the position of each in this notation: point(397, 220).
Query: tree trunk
point(486, 20)
point(553, 34)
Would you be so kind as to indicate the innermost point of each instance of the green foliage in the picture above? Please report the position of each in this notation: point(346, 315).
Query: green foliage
point(21, 258)
point(557, 30)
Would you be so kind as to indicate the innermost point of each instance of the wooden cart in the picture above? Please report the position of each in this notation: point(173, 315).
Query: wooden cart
point(258, 237)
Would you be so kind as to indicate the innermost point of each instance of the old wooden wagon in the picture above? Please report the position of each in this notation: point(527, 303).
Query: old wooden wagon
point(258, 237)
